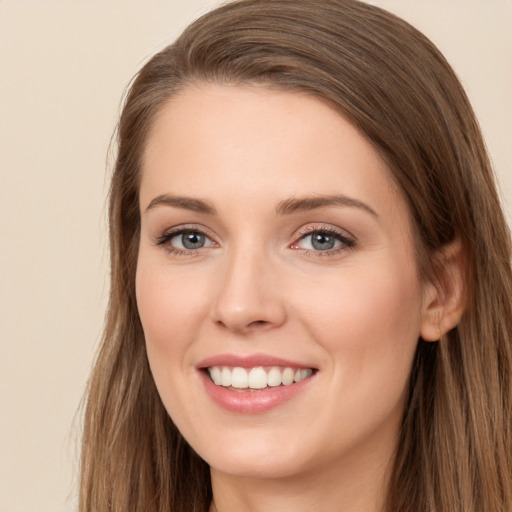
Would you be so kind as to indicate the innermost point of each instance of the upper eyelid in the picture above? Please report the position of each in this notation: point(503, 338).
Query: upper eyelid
point(183, 228)
point(327, 228)
point(169, 233)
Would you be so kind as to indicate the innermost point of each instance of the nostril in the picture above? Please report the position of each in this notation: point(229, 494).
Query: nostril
point(254, 325)
point(258, 323)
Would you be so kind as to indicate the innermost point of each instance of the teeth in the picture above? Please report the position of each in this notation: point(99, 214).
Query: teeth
point(301, 374)
point(256, 378)
point(239, 378)
point(225, 378)
point(216, 375)
point(274, 377)
point(288, 375)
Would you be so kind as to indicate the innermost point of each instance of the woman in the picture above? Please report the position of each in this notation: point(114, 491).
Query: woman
point(311, 285)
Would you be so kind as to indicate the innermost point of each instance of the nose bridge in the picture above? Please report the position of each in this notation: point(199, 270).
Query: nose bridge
point(247, 296)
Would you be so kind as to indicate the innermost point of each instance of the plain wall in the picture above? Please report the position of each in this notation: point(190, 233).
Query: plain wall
point(63, 68)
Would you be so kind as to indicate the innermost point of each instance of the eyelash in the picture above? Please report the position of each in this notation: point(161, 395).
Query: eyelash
point(347, 243)
point(164, 240)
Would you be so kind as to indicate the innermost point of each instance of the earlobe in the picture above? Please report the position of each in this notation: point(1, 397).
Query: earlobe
point(444, 299)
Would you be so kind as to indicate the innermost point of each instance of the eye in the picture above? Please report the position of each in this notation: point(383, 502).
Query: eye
point(185, 240)
point(189, 240)
point(320, 241)
point(324, 240)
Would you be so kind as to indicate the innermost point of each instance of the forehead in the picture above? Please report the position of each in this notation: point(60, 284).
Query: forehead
point(239, 142)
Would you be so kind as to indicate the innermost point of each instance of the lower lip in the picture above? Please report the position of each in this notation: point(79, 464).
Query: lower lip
point(253, 402)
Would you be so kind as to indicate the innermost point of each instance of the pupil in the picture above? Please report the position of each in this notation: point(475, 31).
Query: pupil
point(322, 242)
point(193, 240)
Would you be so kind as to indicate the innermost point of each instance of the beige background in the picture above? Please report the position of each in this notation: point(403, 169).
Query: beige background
point(63, 68)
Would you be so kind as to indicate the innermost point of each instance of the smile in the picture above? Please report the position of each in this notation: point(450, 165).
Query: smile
point(254, 384)
point(257, 378)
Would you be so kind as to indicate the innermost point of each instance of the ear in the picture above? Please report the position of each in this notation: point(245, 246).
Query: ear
point(444, 299)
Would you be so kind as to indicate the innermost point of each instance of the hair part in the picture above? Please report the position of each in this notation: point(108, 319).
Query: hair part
point(388, 80)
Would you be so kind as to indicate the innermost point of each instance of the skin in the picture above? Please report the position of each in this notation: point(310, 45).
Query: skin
point(258, 285)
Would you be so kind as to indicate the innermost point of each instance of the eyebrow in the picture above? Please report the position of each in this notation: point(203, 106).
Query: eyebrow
point(187, 203)
point(286, 207)
point(300, 204)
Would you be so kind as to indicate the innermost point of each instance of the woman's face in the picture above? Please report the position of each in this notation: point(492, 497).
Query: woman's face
point(275, 248)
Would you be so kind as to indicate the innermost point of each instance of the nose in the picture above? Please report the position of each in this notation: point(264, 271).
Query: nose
point(249, 297)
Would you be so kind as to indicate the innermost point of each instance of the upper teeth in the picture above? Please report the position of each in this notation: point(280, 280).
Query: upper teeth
point(256, 378)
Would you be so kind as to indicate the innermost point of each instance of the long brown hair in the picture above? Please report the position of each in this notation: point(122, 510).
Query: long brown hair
point(455, 448)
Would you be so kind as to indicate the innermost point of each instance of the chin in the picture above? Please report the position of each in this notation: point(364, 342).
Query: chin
point(254, 454)
point(261, 465)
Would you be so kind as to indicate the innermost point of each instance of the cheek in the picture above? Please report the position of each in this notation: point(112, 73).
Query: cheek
point(368, 320)
point(368, 324)
point(167, 301)
point(169, 309)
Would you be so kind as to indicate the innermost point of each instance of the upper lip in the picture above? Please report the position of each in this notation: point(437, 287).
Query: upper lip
point(248, 361)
